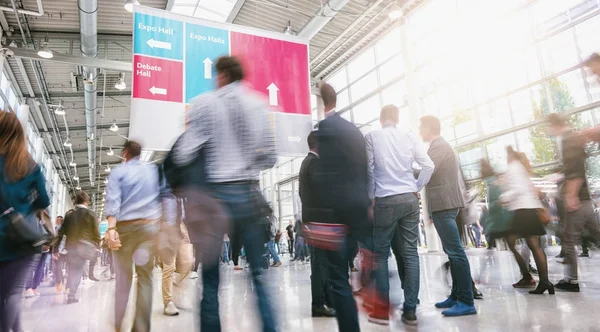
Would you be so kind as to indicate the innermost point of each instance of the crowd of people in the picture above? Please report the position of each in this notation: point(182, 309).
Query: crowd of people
point(358, 194)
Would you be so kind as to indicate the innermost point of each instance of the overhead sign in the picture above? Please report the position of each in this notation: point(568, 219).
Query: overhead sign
point(174, 62)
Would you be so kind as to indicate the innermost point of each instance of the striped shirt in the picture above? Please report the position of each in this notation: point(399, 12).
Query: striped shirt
point(233, 125)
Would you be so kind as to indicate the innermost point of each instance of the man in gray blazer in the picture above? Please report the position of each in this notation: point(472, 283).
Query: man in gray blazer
point(444, 199)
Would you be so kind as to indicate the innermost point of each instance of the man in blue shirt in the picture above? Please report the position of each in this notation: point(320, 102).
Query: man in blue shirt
point(133, 207)
point(394, 191)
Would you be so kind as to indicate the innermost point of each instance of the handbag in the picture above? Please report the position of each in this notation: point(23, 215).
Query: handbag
point(192, 174)
point(324, 236)
point(26, 230)
point(543, 215)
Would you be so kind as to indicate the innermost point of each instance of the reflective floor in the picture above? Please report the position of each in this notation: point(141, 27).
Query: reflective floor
point(503, 309)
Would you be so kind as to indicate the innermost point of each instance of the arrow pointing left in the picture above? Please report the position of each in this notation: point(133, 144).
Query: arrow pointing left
point(207, 68)
point(273, 89)
point(158, 91)
point(158, 44)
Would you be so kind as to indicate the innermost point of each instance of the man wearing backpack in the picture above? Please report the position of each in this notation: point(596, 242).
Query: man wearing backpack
point(230, 128)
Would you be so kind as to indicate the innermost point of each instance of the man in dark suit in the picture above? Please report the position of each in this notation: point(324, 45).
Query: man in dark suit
point(444, 199)
point(309, 194)
point(343, 192)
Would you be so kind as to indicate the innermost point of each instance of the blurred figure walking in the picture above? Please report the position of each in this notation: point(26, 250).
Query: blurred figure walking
point(83, 240)
point(133, 209)
point(231, 128)
point(22, 194)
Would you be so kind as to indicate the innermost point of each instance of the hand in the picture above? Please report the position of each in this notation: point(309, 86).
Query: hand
point(371, 213)
point(572, 202)
point(54, 256)
point(418, 195)
point(113, 239)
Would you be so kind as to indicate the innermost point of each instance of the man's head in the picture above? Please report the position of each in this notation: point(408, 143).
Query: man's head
point(593, 63)
point(313, 143)
point(390, 115)
point(59, 220)
point(131, 149)
point(82, 199)
point(557, 124)
point(430, 128)
point(229, 70)
point(329, 96)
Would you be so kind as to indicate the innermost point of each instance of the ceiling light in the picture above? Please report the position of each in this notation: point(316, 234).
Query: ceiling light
point(76, 178)
point(45, 51)
point(105, 182)
point(60, 110)
point(396, 13)
point(288, 29)
point(72, 163)
point(129, 5)
point(78, 188)
point(114, 128)
point(107, 169)
point(104, 193)
point(68, 143)
point(120, 85)
point(110, 152)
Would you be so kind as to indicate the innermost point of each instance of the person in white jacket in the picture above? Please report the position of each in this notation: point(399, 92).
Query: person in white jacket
point(521, 197)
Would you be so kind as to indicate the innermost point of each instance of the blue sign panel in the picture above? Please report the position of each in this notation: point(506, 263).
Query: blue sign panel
point(203, 45)
point(158, 37)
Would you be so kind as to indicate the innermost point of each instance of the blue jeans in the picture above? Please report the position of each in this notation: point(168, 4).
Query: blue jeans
point(398, 214)
point(226, 250)
point(462, 284)
point(237, 201)
point(273, 251)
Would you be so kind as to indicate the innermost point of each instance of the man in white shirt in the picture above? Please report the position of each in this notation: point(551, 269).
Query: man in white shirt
point(394, 192)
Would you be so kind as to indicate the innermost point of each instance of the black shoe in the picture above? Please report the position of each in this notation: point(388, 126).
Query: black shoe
point(533, 270)
point(72, 300)
point(409, 318)
point(584, 254)
point(323, 311)
point(567, 286)
point(561, 255)
point(477, 295)
point(544, 286)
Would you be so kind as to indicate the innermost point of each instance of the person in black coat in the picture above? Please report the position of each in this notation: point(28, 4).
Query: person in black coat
point(343, 192)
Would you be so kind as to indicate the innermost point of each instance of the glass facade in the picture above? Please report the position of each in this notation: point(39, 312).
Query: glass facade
point(489, 85)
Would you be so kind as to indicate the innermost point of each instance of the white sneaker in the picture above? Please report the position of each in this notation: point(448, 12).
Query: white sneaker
point(29, 293)
point(171, 309)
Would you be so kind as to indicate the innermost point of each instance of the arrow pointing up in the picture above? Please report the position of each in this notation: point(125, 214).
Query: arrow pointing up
point(207, 68)
point(158, 44)
point(158, 91)
point(273, 94)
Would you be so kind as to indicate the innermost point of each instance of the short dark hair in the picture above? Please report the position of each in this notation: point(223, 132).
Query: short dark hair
point(595, 57)
point(432, 123)
point(312, 140)
point(390, 112)
point(61, 217)
point(486, 168)
point(328, 95)
point(81, 198)
point(133, 148)
point(556, 120)
point(231, 67)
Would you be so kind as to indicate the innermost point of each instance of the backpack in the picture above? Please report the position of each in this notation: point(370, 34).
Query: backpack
point(192, 174)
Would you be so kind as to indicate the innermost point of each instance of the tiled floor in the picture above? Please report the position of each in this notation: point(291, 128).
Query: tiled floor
point(503, 309)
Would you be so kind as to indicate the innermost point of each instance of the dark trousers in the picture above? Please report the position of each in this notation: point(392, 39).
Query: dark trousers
point(352, 252)
point(319, 285)
point(13, 275)
point(92, 267)
point(236, 248)
point(341, 292)
point(291, 246)
point(36, 275)
point(74, 271)
point(137, 249)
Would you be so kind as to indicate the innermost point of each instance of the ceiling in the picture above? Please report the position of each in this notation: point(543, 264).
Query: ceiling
point(44, 83)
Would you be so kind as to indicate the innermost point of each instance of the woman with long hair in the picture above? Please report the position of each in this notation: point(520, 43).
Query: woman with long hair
point(22, 191)
point(522, 198)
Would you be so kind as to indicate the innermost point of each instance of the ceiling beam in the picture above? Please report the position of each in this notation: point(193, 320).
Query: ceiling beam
point(74, 35)
point(97, 149)
point(57, 95)
point(235, 11)
point(102, 126)
point(120, 66)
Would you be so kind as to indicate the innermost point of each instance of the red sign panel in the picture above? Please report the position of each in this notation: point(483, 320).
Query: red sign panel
point(157, 79)
point(276, 68)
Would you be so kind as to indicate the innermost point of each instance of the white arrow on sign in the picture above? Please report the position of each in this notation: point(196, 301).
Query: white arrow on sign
point(207, 68)
point(158, 44)
point(294, 139)
point(273, 94)
point(158, 91)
